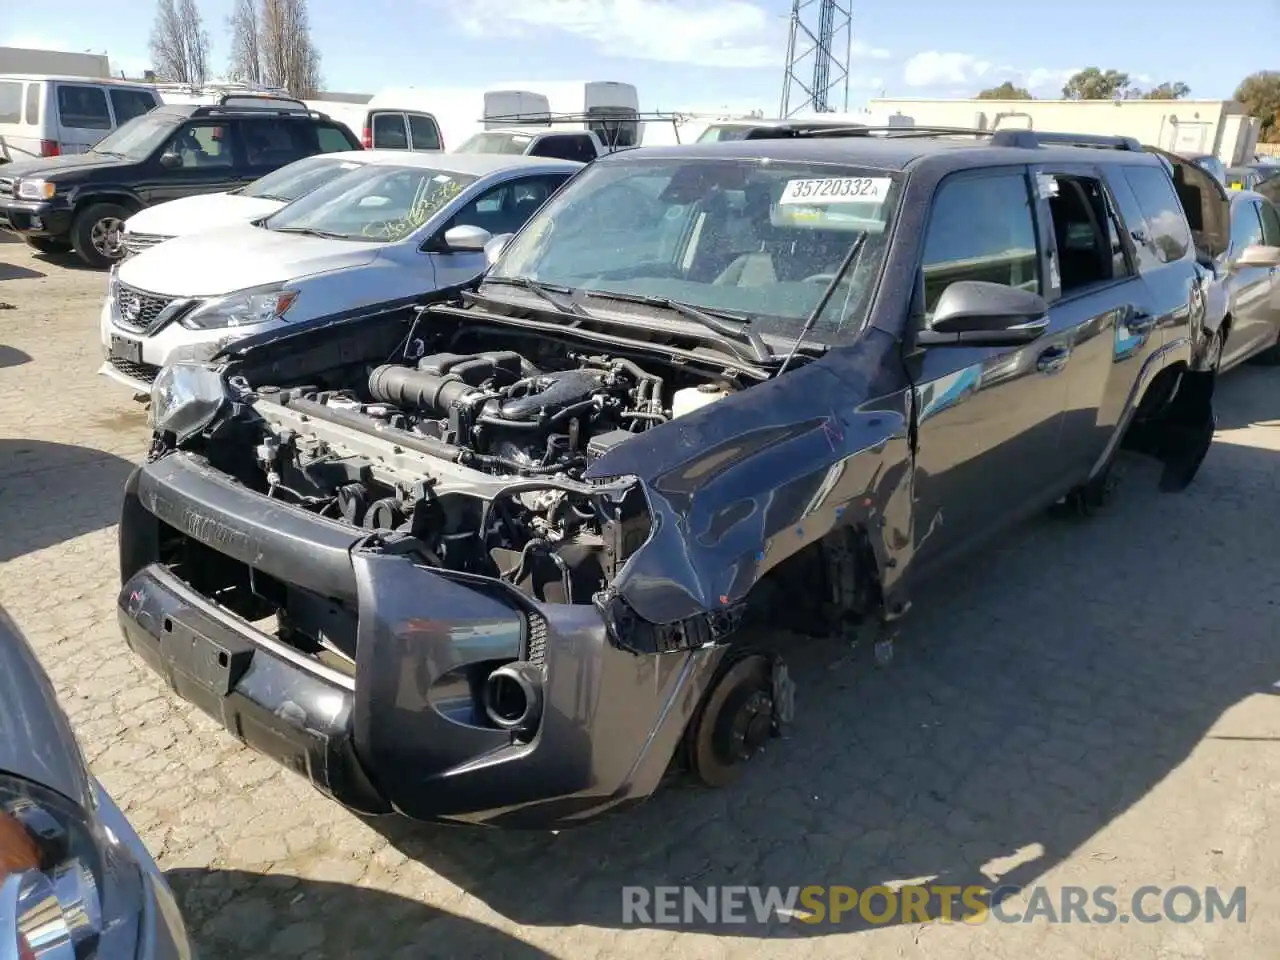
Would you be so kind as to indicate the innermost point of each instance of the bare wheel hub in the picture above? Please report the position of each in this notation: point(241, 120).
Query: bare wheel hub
point(737, 717)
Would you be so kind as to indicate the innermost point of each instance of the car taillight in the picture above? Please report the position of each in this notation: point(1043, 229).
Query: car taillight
point(366, 139)
point(50, 148)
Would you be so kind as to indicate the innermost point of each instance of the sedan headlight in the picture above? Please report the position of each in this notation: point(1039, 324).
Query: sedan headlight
point(185, 397)
point(241, 309)
point(51, 869)
point(36, 190)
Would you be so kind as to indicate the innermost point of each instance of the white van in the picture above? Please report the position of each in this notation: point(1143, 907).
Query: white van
point(47, 116)
point(384, 124)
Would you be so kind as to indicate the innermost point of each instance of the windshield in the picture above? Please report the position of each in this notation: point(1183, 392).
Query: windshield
point(754, 237)
point(299, 178)
point(138, 138)
point(375, 203)
point(512, 143)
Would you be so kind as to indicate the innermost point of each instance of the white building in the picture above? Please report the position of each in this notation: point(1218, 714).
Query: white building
point(1219, 127)
point(57, 62)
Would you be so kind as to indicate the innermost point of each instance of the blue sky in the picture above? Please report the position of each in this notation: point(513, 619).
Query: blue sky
point(702, 54)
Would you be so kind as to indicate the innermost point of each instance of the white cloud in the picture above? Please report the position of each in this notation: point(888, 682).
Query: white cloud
point(711, 33)
point(935, 69)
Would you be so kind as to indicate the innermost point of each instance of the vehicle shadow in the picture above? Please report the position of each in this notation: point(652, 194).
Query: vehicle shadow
point(12, 357)
point(51, 492)
point(234, 914)
point(66, 261)
point(1237, 388)
point(1036, 695)
point(12, 271)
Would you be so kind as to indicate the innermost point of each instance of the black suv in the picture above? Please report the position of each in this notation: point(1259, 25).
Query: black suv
point(80, 201)
point(522, 549)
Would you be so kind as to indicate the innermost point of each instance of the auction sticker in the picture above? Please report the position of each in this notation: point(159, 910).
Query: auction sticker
point(836, 190)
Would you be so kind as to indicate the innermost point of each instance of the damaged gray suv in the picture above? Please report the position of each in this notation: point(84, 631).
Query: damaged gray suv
point(508, 557)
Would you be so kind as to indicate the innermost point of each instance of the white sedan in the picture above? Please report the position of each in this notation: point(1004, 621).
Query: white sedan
point(388, 233)
point(264, 196)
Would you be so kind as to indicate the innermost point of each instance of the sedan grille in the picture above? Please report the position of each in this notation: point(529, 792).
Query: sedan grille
point(145, 372)
point(139, 311)
point(135, 243)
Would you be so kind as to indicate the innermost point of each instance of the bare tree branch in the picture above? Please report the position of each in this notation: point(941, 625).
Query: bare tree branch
point(246, 48)
point(289, 58)
point(179, 43)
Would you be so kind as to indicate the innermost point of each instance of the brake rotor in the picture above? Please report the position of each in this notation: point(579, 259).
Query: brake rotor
point(734, 723)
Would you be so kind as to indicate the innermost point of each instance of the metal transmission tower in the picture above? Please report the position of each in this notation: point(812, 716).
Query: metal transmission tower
point(820, 45)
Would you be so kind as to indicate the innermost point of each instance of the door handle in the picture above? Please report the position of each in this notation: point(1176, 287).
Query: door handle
point(1140, 322)
point(1053, 359)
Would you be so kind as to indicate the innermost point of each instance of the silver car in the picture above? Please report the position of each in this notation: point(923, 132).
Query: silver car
point(75, 880)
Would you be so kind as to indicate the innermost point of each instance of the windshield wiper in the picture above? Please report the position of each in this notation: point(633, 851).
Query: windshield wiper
point(713, 320)
point(313, 232)
point(811, 321)
point(559, 297)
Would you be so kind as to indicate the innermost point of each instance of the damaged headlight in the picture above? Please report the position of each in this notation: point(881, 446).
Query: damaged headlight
point(241, 309)
point(185, 398)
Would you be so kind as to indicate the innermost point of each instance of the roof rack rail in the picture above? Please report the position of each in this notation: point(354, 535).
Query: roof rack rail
point(545, 119)
point(1039, 138)
point(258, 100)
point(859, 130)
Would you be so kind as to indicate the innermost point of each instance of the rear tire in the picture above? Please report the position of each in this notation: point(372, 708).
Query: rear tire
point(96, 234)
point(48, 245)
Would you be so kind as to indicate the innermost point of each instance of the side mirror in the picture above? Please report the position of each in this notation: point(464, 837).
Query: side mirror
point(493, 249)
point(170, 161)
point(977, 313)
point(1259, 256)
point(466, 239)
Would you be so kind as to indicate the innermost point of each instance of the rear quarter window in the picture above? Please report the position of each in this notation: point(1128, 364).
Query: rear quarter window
point(332, 138)
point(10, 101)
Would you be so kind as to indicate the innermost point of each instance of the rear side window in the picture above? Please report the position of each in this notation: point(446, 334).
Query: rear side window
point(388, 132)
point(982, 228)
point(334, 139)
point(33, 103)
point(1167, 233)
point(1270, 225)
point(1246, 228)
point(128, 104)
point(423, 132)
point(10, 102)
point(273, 143)
point(1086, 239)
point(84, 108)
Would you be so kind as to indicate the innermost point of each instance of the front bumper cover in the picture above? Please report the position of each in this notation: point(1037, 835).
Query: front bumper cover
point(35, 218)
point(381, 741)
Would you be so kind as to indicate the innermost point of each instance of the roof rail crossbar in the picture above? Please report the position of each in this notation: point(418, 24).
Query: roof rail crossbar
point(1038, 138)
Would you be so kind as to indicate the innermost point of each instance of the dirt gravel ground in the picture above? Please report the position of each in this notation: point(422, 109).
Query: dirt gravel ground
point(1088, 703)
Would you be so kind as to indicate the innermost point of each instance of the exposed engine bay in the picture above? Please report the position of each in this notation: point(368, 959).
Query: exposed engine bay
point(475, 460)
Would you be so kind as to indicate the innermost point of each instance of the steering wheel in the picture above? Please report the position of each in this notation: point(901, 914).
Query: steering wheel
point(819, 278)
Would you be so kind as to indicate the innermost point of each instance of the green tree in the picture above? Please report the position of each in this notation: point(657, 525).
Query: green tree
point(1167, 91)
point(1006, 91)
point(1260, 93)
point(1092, 83)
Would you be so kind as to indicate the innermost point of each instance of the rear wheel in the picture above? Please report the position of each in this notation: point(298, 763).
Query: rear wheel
point(97, 234)
point(48, 244)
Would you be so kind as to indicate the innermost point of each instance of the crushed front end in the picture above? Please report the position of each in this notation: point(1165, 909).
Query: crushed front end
point(401, 588)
